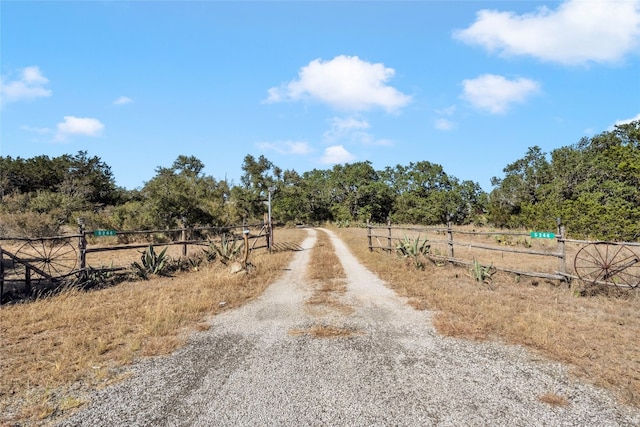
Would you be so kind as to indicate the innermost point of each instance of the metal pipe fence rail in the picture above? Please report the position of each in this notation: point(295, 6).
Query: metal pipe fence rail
point(48, 261)
point(593, 262)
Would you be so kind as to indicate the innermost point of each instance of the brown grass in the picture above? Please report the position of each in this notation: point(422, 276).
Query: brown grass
point(597, 336)
point(328, 277)
point(329, 280)
point(553, 399)
point(324, 262)
point(54, 350)
point(326, 331)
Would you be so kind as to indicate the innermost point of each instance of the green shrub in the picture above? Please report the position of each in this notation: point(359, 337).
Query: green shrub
point(29, 224)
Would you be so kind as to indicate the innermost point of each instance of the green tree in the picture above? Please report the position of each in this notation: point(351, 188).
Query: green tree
point(182, 193)
point(522, 185)
point(258, 176)
point(358, 193)
point(425, 194)
point(316, 195)
point(592, 186)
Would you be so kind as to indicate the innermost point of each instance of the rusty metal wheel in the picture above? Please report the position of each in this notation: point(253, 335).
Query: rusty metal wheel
point(609, 264)
point(50, 258)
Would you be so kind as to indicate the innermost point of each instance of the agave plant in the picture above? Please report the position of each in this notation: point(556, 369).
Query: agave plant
point(481, 273)
point(227, 250)
point(152, 263)
point(414, 249)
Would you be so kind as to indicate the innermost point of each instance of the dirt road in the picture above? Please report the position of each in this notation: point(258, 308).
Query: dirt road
point(256, 367)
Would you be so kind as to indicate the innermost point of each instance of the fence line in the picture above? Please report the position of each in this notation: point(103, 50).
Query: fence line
point(32, 264)
point(451, 243)
point(83, 250)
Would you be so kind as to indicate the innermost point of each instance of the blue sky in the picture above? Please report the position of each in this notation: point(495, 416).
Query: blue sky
point(469, 85)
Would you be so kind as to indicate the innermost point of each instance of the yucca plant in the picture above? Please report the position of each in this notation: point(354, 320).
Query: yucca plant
point(414, 249)
point(152, 263)
point(227, 250)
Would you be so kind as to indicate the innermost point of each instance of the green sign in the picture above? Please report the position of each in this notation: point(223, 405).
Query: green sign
point(542, 235)
point(102, 233)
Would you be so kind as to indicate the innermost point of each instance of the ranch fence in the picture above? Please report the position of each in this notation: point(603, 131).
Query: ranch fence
point(550, 255)
point(47, 262)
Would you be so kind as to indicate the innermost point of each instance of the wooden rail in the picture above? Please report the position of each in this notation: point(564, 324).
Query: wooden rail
point(83, 248)
point(450, 242)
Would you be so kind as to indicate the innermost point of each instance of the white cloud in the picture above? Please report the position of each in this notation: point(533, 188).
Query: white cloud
point(336, 154)
point(352, 130)
point(345, 128)
point(625, 121)
point(286, 147)
point(444, 124)
point(30, 85)
point(577, 32)
point(496, 93)
point(123, 100)
point(346, 83)
point(78, 126)
point(349, 123)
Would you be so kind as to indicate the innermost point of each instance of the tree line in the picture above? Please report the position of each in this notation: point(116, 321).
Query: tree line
point(593, 186)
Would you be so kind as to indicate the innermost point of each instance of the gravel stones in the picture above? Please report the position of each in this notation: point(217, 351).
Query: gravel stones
point(249, 369)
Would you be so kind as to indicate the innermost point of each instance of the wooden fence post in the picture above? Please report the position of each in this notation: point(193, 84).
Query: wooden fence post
point(389, 238)
point(183, 237)
point(267, 224)
point(450, 237)
point(562, 261)
point(82, 245)
point(27, 280)
point(1, 274)
point(369, 236)
point(245, 237)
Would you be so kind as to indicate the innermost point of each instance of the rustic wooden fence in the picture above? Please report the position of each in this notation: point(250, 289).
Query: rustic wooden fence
point(50, 260)
point(597, 262)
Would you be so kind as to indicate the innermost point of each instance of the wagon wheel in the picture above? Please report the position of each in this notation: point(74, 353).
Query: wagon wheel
point(608, 264)
point(51, 258)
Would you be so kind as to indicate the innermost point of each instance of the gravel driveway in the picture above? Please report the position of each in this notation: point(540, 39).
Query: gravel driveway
point(251, 368)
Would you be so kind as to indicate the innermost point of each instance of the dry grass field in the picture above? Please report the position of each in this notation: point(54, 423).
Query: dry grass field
point(54, 350)
point(596, 335)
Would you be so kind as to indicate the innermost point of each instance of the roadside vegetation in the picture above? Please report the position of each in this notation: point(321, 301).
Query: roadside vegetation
point(595, 336)
point(54, 350)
